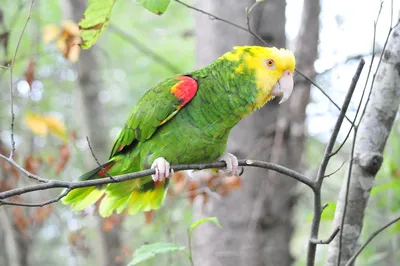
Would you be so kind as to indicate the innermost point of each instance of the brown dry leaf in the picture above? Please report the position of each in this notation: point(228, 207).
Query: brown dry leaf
point(20, 220)
point(63, 156)
point(76, 238)
point(125, 253)
point(68, 39)
point(31, 164)
point(232, 182)
point(50, 160)
point(71, 28)
point(5, 185)
point(29, 74)
point(109, 222)
point(42, 214)
point(50, 33)
point(179, 181)
point(191, 188)
point(148, 217)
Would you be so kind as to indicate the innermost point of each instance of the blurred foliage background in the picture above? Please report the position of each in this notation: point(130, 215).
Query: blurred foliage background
point(51, 142)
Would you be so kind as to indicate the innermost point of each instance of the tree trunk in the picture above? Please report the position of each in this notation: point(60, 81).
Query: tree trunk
point(257, 218)
point(372, 135)
point(108, 248)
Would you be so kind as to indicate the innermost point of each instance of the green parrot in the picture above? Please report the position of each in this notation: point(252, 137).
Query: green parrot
point(186, 119)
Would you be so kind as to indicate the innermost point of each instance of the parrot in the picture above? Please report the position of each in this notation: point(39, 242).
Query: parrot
point(186, 119)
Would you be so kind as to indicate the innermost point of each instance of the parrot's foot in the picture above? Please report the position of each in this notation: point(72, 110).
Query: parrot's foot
point(231, 164)
point(162, 168)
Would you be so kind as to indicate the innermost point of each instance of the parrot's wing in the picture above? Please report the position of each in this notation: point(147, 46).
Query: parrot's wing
point(155, 108)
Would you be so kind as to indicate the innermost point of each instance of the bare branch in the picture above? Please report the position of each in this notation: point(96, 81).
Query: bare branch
point(321, 90)
point(102, 181)
point(252, 33)
point(346, 194)
point(366, 83)
point(312, 247)
point(377, 68)
point(370, 238)
point(370, 143)
point(23, 170)
point(11, 67)
point(323, 207)
point(143, 48)
point(97, 161)
point(326, 241)
point(56, 199)
point(337, 170)
point(214, 17)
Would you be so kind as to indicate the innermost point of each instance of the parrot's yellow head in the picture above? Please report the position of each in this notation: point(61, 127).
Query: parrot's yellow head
point(272, 69)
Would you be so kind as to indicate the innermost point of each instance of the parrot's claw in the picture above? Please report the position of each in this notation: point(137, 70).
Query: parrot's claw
point(231, 164)
point(163, 169)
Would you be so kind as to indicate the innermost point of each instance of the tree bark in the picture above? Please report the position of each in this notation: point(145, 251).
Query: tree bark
point(257, 218)
point(372, 135)
point(109, 246)
point(11, 247)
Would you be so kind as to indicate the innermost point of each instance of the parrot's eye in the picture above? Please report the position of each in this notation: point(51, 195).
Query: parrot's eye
point(270, 63)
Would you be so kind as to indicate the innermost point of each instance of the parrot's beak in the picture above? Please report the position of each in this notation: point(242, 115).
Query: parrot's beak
point(284, 86)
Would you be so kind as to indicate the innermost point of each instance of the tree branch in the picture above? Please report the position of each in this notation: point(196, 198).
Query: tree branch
point(326, 241)
point(11, 68)
point(23, 170)
point(102, 181)
point(312, 247)
point(370, 238)
point(143, 48)
point(252, 33)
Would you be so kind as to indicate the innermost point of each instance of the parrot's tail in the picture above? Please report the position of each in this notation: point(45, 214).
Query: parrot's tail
point(81, 198)
point(135, 195)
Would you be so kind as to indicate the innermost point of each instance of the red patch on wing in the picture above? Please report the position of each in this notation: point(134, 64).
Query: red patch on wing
point(102, 173)
point(120, 147)
point(185, 89)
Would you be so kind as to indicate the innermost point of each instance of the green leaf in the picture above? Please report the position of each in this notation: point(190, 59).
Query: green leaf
point(202, 221)
point(146, 252)
point(328, 214)
point(95, 21)
point(393, 185)
point(156, 6)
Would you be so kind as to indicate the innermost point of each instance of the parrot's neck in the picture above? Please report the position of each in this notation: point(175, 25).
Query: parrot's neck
point(223, 98)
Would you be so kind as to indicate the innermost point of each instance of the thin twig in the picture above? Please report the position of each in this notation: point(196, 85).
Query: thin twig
point(190, 248)
point(102, 181)
point(11, 67)
point(312, 247)
point(337, 170)
point(23, 170)
point(370, 238)
point(143, 48)
point(97, 161)
point(365, 85)
point(248, 12)
point(346, 195)
point(41, 204)
point(376, 70)
point(323, 207)
point(323, 92)
point(252, 33)
point(214, 17)
point(328, 240)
